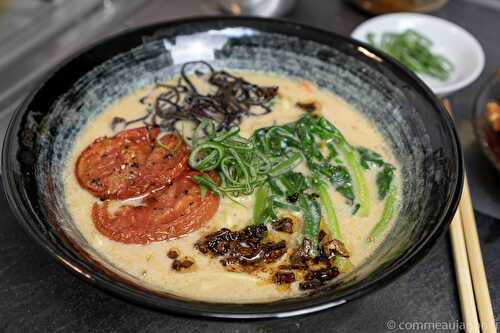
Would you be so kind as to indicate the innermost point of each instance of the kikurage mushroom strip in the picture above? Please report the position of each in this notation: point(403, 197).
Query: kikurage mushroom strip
point(227, 105)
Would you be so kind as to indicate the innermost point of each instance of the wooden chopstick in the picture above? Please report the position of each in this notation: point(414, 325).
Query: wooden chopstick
point(465, 238)
point(464, 280)
point(479, 280)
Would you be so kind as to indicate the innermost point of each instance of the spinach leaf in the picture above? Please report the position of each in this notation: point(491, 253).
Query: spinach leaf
point(264, 209)
point(312, 218)
point(334, 154)
point(276, 140)
point(355, 209)
point(342, 181)
point(369, 159)
point(384, 180)
point(339, 177)
point(294, 182)
point(275, 187)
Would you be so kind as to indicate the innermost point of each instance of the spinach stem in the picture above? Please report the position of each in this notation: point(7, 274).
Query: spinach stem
point(360, 185)
point(387, 214)
point(261, 197)
point(312, 218)
point(286, 165)
point(331, 217)
point(343, 264)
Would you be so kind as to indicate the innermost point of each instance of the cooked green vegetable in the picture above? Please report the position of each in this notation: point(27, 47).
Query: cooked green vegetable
point(294, 182)
point(384, 180)
point(245, 164)
point(203, 191)
point(212, 153)
point(341, 179)
point(275, 188)
point(311, 130)
point(280, 204)
point(343, 264)
point(362, 193)
point(261, 197)
point(414, 51)
point(312, 218)
point(370, 159)
point(241, 167)
point(326, 202)
point(387, 214)
point(327, 131)
point(269, 196)
point(206, 182)
point(265, 164)
point(286, 165)
point(268, 214)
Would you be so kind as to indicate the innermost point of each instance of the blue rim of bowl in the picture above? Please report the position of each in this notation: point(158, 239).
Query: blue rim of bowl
point(24, 212)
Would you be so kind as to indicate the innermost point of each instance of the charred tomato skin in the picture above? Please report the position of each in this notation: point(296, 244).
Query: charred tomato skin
point(169, 213)
point(131, 163)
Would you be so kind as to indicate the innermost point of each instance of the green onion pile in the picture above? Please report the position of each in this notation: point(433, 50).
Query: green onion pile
point(265, 163)
point(414, 51)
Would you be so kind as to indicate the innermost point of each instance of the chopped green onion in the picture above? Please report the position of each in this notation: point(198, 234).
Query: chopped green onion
point(177, 146)
point(206, 181)
point(203, 191)
point(225, 135)
point(413, 50)
point(214, 153)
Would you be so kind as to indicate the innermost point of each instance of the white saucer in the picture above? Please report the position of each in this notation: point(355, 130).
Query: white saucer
point(450, 40)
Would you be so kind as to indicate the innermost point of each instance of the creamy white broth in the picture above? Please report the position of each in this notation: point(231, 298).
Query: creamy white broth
point(208, 280)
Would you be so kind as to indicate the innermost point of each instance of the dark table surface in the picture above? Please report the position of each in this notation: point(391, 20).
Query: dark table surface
point(37, 294)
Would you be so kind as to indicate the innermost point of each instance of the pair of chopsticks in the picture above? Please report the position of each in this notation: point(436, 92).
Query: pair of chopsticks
point(471, 278)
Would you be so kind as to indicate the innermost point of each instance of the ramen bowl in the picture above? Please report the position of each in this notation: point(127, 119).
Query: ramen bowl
point(411, 119)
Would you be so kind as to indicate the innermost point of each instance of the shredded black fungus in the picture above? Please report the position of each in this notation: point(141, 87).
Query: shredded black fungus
point(231, 101)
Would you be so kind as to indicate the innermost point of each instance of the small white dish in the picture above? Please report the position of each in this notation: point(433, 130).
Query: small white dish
point(449, 40)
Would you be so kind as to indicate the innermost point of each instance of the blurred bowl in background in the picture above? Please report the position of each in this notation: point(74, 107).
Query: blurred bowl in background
point(486, 136)
point(264, 8)
point(392, 6)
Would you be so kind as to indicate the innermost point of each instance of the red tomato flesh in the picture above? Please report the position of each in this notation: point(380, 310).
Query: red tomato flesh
point(131, 163)
point(165, 214)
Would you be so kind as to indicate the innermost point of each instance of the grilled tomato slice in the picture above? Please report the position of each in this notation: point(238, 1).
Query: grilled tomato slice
point(131, 163)
point(165, 214)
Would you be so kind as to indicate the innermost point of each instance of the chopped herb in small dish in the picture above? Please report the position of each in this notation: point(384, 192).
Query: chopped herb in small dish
point(413, 50)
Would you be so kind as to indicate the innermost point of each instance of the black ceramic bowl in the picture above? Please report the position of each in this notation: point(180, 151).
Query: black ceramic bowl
point(486, 136)
point(405, 111)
